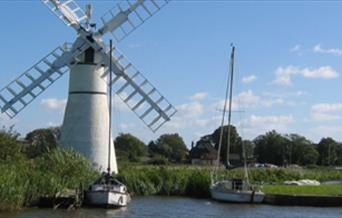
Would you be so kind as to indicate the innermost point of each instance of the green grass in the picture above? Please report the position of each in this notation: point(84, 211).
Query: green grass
point(322, 190)
point(170, 180)
point(194, 181)
point(22, 183)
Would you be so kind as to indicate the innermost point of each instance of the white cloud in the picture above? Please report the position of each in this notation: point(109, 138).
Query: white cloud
point(53, 124)
point(248, 79)
point(53, 104)
point(320, 108)
point(284, 75)
point(327, 131)
point(324, 117)
point(191, 109)
point(326, 112)
point(248, 99)
point(325, 72)
point(333, 51)
point(119, 104)
point(285, 94)
point(125, 126)
point(199, 96)
point(300, 93)
point(296, 48)
point(5, 121)
point(256, 125)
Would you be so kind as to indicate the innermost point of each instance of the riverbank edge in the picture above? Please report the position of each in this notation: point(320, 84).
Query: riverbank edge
point(270, 199)
point(301, 200)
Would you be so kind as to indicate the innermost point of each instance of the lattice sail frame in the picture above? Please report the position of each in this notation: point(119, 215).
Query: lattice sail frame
point(139, 94)
point(128, 15)
point(132, 87)
point(72, 14)
point(29, 85)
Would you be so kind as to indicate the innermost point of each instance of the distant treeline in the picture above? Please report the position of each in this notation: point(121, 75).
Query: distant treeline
point(271, 147)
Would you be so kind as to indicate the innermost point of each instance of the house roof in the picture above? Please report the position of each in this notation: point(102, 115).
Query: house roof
point(204, 150)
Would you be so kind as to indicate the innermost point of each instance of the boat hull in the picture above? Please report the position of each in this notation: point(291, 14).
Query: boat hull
point(108, 199)
point(242, 196)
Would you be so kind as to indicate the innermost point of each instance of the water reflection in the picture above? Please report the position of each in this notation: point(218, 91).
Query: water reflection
point(174, 207)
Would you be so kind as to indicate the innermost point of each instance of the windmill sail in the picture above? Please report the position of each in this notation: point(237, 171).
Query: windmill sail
point(68, 11)
point(24, 89)
point(138, 93)
point(128, 16)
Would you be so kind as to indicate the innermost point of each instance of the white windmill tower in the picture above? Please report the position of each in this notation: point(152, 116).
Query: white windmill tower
point(85, 126)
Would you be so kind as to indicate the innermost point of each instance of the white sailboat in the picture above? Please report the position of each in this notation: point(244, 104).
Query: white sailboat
point(107, 191)
point(232, 190)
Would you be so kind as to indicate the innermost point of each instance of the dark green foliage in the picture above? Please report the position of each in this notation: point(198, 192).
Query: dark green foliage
point(23, 181)
point(235, 141)
point(10, 148)
point(302, 151)
point(327, 149)
point(170, 146)
point(249, 148)
point(128, 147)
point(41, 140)
point(272, 148)
point(283, 150)
point(339, 154)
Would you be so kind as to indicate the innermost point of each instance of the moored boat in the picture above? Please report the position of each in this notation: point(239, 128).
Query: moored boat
point(107, 192)
point(232, 189)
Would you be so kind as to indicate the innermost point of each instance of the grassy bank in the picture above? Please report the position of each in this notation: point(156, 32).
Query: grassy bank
point(195, 181)
point(153, 180)
point(23, 182)
point(322, 190)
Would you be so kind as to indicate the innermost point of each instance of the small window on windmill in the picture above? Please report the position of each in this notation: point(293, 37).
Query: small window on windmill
point(89, 55)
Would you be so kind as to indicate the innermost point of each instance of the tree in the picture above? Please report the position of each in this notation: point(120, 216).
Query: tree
point(129, 147)
point(302, 150)
point(249, 148)
point(272, 148)
point(41, 141)
point(170, 146)
point(10, 148)
point(327, 149)
point(339, 154)
point(235, 141)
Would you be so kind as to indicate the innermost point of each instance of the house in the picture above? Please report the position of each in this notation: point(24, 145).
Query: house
point(204, 153)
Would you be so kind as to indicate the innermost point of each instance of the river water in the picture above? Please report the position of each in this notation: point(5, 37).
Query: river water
point(176, 207)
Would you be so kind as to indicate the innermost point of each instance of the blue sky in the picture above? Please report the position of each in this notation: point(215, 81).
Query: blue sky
point(288, 65)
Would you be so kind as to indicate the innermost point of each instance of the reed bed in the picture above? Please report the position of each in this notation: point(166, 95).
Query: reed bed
point(195, 181)
point(22, 183)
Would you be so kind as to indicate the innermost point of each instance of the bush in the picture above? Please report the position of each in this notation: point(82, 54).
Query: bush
point(22, 183)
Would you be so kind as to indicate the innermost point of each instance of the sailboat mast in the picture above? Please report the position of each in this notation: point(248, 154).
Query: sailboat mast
point(229, 81)
point(110, 105)
point(230, 101)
